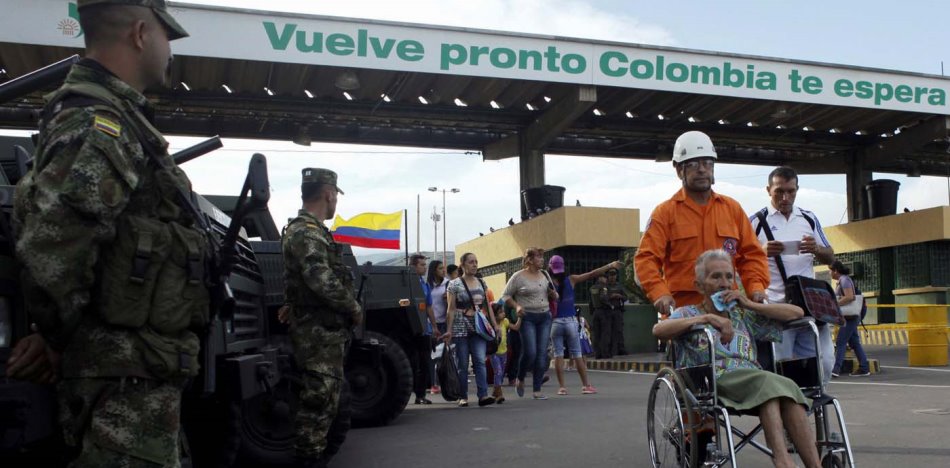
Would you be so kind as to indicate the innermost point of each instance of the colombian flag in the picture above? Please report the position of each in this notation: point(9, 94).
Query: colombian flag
point(373, 230)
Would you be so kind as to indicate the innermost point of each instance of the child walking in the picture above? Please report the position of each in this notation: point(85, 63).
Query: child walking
point(501, 356)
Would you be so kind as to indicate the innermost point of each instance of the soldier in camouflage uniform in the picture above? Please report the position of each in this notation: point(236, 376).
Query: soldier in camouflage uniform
point(113, 265)
point(321, 307)
point(615, 296)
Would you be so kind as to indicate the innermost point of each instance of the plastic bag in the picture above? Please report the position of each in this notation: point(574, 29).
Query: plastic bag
point(447, 371)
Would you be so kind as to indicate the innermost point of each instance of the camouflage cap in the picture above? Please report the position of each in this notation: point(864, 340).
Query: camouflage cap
point(175, 31)
point(319, 175)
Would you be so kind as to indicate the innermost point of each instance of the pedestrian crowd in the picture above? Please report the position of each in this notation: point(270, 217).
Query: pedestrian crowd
point(534, 316)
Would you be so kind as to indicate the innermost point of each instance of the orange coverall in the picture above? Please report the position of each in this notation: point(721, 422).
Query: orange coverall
point(679, 231)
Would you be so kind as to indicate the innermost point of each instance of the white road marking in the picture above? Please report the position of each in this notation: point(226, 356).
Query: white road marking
point(916, 368)
point(886, 384)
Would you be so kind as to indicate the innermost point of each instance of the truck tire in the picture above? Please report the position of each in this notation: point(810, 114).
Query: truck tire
point(266, 424)
point(379, 391)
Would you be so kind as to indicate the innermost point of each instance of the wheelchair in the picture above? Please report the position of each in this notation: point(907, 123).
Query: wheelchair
point(683, 401)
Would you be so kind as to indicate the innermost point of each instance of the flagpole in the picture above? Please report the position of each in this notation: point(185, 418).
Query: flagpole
point(405, 217)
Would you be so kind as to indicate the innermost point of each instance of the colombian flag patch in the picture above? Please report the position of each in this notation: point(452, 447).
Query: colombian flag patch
point(107, 126)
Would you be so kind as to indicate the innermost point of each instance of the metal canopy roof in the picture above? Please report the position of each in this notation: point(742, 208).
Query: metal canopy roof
point(622, 122)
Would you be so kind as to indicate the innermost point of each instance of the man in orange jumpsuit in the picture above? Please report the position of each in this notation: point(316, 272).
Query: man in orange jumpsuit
point(695, 220)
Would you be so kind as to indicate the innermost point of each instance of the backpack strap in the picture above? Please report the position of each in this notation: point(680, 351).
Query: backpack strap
point(768, 235)
point(760, 215)
point(811, 222)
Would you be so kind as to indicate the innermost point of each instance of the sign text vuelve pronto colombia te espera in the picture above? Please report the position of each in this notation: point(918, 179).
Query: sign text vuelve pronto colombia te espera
point(617, 66)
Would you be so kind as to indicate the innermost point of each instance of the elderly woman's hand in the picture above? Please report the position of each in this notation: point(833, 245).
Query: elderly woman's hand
point(724, 325)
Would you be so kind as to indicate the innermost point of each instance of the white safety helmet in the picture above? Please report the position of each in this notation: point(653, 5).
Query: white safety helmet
point(692, 145)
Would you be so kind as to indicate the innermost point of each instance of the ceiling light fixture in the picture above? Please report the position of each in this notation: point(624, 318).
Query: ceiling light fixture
point(347, 80)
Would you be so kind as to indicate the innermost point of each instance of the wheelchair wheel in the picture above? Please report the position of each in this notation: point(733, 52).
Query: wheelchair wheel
point(832, 460)
point(669, 436)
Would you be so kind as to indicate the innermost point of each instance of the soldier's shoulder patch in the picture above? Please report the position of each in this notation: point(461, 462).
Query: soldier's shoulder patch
point(107, 125)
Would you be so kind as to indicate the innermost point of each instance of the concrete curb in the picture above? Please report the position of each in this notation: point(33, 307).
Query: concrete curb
point(651, 367)
point(848, 366)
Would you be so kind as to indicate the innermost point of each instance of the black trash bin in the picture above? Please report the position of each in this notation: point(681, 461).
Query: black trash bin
point(882, 197)
point(539, 200)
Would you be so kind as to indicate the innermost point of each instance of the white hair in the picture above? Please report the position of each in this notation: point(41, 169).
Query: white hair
point(708, 256)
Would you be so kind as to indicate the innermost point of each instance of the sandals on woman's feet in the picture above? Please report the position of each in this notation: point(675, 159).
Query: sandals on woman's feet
point(562, 391)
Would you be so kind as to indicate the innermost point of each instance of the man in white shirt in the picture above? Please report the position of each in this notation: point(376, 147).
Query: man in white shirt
point(798, 240)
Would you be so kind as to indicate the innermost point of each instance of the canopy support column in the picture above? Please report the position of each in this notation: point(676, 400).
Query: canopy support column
point(856, 178)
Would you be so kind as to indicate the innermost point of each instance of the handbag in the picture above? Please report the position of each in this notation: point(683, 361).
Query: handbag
point(815, 297)
point(853, 308)
point(482, 324)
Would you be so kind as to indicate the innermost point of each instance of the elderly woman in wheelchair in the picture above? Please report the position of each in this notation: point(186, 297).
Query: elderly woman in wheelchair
point(734, 323)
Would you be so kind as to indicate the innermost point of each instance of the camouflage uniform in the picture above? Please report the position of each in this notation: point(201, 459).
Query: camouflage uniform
point(602, 320)
point(319, 290)
point(107, 277)
point(616, 317)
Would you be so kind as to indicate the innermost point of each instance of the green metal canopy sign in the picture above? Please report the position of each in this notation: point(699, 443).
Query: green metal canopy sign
point(279, 37)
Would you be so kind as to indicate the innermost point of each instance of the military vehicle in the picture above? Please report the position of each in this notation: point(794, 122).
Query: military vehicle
point(240, 409)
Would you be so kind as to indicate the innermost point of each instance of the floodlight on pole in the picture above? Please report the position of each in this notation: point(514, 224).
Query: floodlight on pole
point(444, 218)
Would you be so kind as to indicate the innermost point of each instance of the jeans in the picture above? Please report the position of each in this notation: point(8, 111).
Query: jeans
point(535, 334)
point(565, 335)
point(476, 346)
point(514, 354)
point(849, 335)
point(498, 366)
point(800, 343)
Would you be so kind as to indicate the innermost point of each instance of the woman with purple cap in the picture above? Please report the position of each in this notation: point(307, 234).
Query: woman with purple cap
point(565, 331)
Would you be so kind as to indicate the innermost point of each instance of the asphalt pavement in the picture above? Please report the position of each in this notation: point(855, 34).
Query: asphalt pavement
point(899, 417)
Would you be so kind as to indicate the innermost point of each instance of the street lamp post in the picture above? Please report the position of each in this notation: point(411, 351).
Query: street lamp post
point(444, 221)
point(435, 230)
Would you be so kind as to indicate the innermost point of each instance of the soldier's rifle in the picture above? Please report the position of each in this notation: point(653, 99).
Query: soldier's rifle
point(46, 77)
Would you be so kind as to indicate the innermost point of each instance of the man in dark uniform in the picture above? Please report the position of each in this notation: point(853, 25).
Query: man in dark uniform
point(322, 308)
point(615, 297)
point(602, 320)
point(113, 270)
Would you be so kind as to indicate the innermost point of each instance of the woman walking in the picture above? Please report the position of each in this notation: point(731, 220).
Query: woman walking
point(530, 292)
point(435, 278)
point(848, 334)
point(467, 295)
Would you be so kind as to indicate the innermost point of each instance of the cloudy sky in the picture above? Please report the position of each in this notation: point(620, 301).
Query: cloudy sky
point(381, 179)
